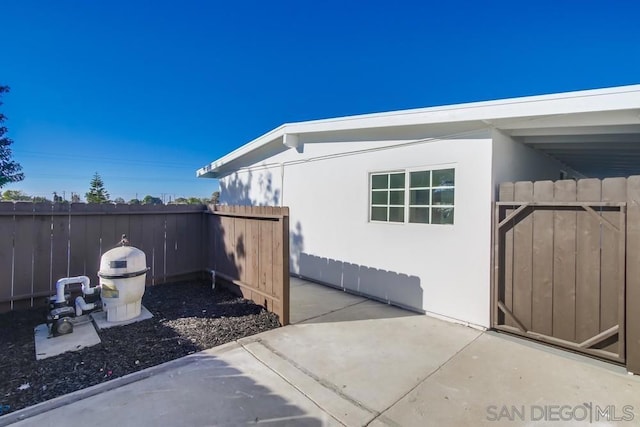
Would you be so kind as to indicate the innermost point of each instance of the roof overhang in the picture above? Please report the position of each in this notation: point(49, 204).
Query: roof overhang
point(608, 111)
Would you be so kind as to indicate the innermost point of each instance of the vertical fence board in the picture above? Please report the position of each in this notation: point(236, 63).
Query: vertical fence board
point(523, 257)
point(228, 225)
point(588, 263)
point(59, 244)
point(632, 324)
point(285, 287)
point(266, 260)
point(173, 250)
point(159, 248)
point(41, 247)
point(147, 241)
point(253, 275)
point(7, 224)
point(564, 263)
point(23, 260)
point(277, 247)
point(613, 190)
point(505, 291)
point(109, 237)
point(77, 233)
point(122, 223)
point(93, 242)
point(542, 264)
point(190, 237)
point(241, 247)
point(215, 234)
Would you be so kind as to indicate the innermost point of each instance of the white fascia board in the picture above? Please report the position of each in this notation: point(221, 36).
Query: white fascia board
point(210, 169)
point(624, 98)
point(518, 109)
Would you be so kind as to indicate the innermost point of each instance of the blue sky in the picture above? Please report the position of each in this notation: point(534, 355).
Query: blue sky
point(146, 92)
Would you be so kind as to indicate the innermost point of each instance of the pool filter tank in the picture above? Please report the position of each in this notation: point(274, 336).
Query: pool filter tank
point(123, 271)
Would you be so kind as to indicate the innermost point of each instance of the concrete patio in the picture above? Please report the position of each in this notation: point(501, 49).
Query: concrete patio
point(347, 360)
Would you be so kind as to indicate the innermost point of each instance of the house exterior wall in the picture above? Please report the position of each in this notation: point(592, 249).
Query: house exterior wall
point(514, 161)
point(441, 269)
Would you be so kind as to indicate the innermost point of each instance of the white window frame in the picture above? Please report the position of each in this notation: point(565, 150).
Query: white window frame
point(388, 190)
point(407, 194)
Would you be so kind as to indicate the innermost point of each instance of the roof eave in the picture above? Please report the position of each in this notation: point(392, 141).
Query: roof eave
point(623, 97)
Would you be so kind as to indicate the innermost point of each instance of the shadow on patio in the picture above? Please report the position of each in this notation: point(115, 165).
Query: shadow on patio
point(314, 303)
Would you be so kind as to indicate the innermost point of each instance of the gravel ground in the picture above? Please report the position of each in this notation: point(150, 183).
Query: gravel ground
point(188, 317)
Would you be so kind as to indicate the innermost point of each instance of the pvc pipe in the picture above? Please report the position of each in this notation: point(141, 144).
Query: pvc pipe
point(60, 285)
point(81, 306)
point(89, 290)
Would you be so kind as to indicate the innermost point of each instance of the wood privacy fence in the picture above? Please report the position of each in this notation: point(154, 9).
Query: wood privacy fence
point(251, 244)
point(568, 265)
point(40, 243)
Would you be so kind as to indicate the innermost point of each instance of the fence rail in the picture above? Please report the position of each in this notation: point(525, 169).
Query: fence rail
point(42, 242)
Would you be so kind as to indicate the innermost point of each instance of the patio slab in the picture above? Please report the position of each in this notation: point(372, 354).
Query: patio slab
point(83, 335)
point(370, 353)
point(309, 300)
point(224, 386)
point(367, 364)
point(499, 380)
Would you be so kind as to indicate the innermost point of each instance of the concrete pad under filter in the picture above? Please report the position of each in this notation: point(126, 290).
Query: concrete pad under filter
point(100, 319)
point(83, 335)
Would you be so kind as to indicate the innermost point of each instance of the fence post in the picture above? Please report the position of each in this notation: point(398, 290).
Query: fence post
point(284, 317)
point(632, 302)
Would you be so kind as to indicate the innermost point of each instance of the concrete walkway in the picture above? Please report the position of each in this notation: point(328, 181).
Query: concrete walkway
point(350, 361)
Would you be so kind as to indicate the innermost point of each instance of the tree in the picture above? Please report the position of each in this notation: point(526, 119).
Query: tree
point(75, 198)
point(150, 200)
point(119, 200)
point(15, 196)
point(215, 197)
point(9, 169)
point(134, 202)
point(97, 192)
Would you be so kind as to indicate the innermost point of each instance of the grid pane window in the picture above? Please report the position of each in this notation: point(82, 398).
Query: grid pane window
point(387, 197)
point(427, 196)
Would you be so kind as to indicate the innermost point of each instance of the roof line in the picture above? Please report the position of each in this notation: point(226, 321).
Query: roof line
point(282, 129)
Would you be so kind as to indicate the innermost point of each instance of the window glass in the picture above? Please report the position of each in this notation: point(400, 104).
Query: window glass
point(442, 216)
point(443, 177)
point(419, 197)
point(420, 215)
point(379, 197)
point(396, 197)
point(442, 196)
point(378, 213)
point(379, 181)
point(420, 179)
point(396, 214)
point(396, 180)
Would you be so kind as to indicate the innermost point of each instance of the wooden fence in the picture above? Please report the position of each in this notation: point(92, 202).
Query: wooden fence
point(40, 243)
point(567, 265)
point(251, 253)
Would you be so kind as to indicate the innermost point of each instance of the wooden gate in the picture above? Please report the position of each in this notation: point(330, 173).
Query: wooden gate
point(560, 263)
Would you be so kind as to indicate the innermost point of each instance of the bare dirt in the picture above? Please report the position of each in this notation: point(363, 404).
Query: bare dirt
point(187, 317)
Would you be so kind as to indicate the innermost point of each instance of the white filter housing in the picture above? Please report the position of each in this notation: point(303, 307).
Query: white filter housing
point(123, 272)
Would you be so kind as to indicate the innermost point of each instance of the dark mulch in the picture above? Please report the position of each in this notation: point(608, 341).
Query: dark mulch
point(188, 317)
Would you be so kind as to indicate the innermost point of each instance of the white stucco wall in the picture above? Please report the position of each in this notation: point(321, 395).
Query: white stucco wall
point(441, 269)
point(514, 161)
